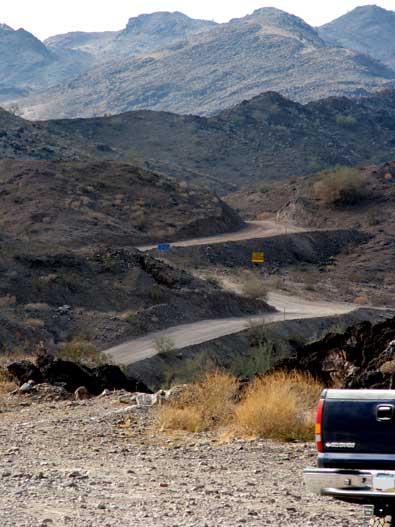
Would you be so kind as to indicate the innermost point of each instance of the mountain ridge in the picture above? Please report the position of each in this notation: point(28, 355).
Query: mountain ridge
point(268, 137)
point(366, 29)
point(170, 62)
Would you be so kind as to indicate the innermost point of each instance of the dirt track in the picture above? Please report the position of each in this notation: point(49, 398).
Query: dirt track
point(203, 331)
point(254, 230)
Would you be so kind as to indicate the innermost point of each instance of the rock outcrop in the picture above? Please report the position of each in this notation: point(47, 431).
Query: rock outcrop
point(72, 376)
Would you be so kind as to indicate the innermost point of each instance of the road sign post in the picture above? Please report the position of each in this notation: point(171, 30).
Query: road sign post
point(258, 257)
point(164, 247)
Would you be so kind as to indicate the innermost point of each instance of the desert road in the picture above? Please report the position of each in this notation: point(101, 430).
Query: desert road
point(205, 330)
point(254, 230)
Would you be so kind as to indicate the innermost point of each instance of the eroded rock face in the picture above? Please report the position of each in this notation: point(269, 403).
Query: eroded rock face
point(72, 375)
point(362, 357)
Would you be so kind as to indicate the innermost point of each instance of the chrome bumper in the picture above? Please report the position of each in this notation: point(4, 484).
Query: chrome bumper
point(356, 485)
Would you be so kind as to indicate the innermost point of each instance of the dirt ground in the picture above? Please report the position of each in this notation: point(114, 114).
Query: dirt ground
point(100, 463)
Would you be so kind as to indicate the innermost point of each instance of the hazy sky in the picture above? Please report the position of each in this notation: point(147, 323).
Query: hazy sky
point(49, 17)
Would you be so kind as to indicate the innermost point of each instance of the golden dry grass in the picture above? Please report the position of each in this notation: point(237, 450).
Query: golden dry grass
point(206, 405)
point(279, 406)
point(253, 285)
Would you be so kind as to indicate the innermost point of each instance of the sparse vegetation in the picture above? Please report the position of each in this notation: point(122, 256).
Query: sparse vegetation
point(129, 315)
point(341, 187)
point(206, 405)
point(278, 406)
point(34, 322)
point(81, 350)
point(347, 121)
point(253, 285)
point(164, 345)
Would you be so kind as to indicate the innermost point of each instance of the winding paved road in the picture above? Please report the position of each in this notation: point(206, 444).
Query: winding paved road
point(205, 330)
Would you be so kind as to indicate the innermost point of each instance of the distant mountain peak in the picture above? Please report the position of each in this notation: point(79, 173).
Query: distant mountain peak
point(367, 29)
point(4, 27)
point(271, 18)
point(163, 19)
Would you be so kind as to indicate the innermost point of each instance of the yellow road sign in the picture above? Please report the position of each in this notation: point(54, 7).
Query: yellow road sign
point(258, 257)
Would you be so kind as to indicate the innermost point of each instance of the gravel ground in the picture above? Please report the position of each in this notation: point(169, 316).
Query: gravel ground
point(98, 463)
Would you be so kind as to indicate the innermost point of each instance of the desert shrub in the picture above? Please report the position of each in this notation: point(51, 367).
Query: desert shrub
point(253, 285)
point(347, 121)
point(129, 315)
point(164, 345)
point(7, 301)
point(341, 187)
point(205, 405)
point(80, 350)
point(155, 292)
point(39, 306)
point(34, 323)
point(280, 406)
point(263, 187)
point(361, 300)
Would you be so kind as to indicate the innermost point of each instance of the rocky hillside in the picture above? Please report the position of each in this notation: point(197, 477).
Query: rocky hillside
point(143, 34)
point(266, 138)
point(367, 270)
point(75, 204)
point(367, 29)
point(180, 65)
point(269, 137)
point(68, 266)
point(28, 65)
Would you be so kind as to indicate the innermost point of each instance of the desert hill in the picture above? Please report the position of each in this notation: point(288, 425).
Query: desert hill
point(367, 204)
point(167, 61)
point(77, 204)
point(68, 262)
point(367, 29)
point(267, 138)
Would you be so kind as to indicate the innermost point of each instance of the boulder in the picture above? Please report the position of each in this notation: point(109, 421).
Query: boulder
point(24, 371)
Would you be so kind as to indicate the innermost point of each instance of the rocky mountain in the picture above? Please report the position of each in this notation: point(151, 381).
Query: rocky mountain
point(266, 138)
point(142, 34)
point(28, 65)
point(367, 29)
point(170, 62)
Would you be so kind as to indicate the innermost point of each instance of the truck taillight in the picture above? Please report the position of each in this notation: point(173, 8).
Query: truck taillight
point(318, 426)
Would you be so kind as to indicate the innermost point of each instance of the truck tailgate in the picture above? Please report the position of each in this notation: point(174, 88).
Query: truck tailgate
point(358, 428)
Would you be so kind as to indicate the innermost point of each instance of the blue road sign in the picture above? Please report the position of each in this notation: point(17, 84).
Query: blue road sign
point(164, 247)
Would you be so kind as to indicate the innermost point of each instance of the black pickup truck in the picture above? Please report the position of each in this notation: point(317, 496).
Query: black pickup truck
point(355, 438)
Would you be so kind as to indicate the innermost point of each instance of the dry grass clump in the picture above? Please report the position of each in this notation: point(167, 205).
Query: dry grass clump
point(6, 383)
point(361, 300)
point(279, 406)
point(341, 187)
point(34, 322)
point(79, 349)
point(253, 285)
point(205, 405)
